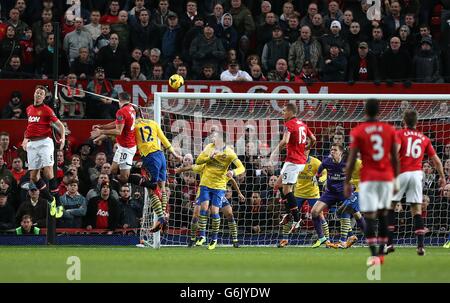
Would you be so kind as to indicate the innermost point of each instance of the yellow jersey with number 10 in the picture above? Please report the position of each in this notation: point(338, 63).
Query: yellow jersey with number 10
point(148, 134)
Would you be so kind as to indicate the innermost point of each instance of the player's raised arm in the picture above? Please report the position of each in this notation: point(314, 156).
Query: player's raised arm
point(238, 170)
point(165, 142)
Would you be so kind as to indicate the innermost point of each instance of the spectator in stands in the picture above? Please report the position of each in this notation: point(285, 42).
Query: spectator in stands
point(112, 16)
point(85, 150)
point(45, 63)
point(27, 227)
point(333, 14)
point(215, 19)
point(363, 66)
point(346, 22)
point(335, 65)
point(94, 27)
point(94, 172)
point(75, 207)
point(6, 213)
point(136, 56)
point(264, 32)
point(335, 37)
point(40, 42)
point(161, 14)
point(182, 70)
point(308, 74)
point(17, 169)
point(307, 19)
point(83, 66)
point(447, 170)
point(97, 107)
point(256, 73)
point(394, 18)
point(113, 53)
point(67, 177)
point(102, 210)
point(233, 73)
point(139, 5)
point(253, 60)
point(410, 21)
point(208, 73)
point(9, 47)
point(395, 64)
point(16, 22)
point(171, 67)
point(242, 19)
point(72, 97)
point(318, 27)
point(255, 213)
point(130, 208)
point(8, 185)
point(426, 64)
point(153, 58)
point(287, 13)
point(193, 32)
point(134, 73)
point(33, 206)
point(106, 169)
point(429, 180)
point(96, 191)
point(27, 47)
point(206, 49)
point(354, 37)
point(76, 39)
point(14, 69)
point(157, 73)
point(304, 49)
point(378, 46)
point(408, 42)
point(103, 39)
point(171, 38)
point(292, 32)
point(15, 109)
point(226, 32)
point(46, 17)
point(425, 32)
point(8, 151)
point(275, 49)
point(145, 35)
point(122, 29)
point(187, 20)
point(281, 72)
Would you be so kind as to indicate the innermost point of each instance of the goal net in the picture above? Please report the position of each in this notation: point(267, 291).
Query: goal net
point(253, 127)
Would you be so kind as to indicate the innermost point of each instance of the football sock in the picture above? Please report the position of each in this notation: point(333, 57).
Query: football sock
point(318, 226)
point(292, 204)
point(156, 206)
point(232, 225)
point(325, 228)
point(345, 226)
point(215, 226)
point(419, 229)
point(361, 223)
point(285, 231)
point(164, 200)
point(382, 233)
point(370, 236)
point(194, 227)
point(202, 222)
point(391, 226)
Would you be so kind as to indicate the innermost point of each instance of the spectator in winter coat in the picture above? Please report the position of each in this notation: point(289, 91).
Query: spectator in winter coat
point(426, 64)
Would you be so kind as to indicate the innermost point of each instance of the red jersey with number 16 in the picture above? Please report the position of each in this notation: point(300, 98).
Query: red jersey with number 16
point(127, 116)
point(39, 121)
point(374, 141)
point(297, 141)
point(413, 145)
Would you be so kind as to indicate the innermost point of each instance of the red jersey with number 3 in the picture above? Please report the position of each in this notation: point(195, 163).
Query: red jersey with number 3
point(127, 116)
point(297, 141)
point(374, 141)
point(413, 145)
point(39, 121)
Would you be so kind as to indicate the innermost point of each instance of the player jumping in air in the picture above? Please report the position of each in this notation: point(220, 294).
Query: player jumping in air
point(226, 207)
point(334, 191)
point(40, 147)
point(295, 139)
point(217, 158)
point(412, 147)
point(376, 141)
point(307, 190)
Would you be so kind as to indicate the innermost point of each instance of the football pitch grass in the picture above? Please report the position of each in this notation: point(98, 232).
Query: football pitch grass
point(225, 264)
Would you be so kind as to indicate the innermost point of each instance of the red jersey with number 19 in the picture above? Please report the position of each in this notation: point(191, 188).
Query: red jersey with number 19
point(413, 145)
point(374, 141)
point(126, 115)
point(39, 121)
point(297, 141)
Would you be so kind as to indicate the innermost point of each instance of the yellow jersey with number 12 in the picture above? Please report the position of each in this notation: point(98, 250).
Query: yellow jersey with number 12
point(148, 134)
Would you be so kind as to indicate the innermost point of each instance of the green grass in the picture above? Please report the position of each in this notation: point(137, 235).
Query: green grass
point(225, 264)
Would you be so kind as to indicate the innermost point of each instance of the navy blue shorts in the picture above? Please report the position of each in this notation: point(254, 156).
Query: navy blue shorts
point(214, 196)
point(353, 202)
point(155, 164)
point(331, 198)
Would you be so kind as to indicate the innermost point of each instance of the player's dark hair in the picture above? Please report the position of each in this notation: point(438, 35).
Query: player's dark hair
point(292, 108)
point(42, 87)
point(410, 118)
point(124, 96)
point(339, 146)
point(372, 108)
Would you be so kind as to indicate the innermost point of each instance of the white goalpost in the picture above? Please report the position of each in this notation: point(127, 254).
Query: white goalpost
point(253, 126)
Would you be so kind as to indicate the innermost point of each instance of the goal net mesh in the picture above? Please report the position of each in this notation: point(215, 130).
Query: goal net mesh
point(253, 128)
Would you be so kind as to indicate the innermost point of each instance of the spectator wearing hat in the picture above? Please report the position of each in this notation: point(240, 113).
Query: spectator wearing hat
point(113, 53)
point(162, 13)
point(275, 49)
point(15, 109)
point(363, 66)
point(102, 211)
point(308, 74)
point(426, 64)
point(226, 32)
point(75, 206)
point(76, 39)
point(281, 72)
point(33, 206)
point(233, 73)
point(206, 48)
point(425, 32)
point(304, 49)
point(242, 19)
point(192, 32)
point(144, 34)
point(6, 213)
point(264, 32)
point(97, 107)
point(335, 37)
point(171, 38)
point(396, 64)
point(335, 65)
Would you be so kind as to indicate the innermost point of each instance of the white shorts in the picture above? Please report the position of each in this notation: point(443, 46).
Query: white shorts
point(40, 153)
point(375, 195)
point(410, 182)
point(290, 172)
point(124, 156)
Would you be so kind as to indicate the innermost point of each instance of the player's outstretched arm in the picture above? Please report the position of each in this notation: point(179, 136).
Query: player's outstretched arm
point(110, 125)
point(114, 131)
point(349, 167)
point(165, 142)
point(440, 169)
point(280, 146)
point(183, 169)
point(237, 189)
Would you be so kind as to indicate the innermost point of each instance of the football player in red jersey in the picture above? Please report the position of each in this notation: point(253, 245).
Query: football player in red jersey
point(376, 141)
point(412, 147)
point(123, 129)
point(295, 139)
point(40, 148)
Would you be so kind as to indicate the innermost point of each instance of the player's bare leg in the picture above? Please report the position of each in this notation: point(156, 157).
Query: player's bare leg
point(232, 225)
point(416, 213)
